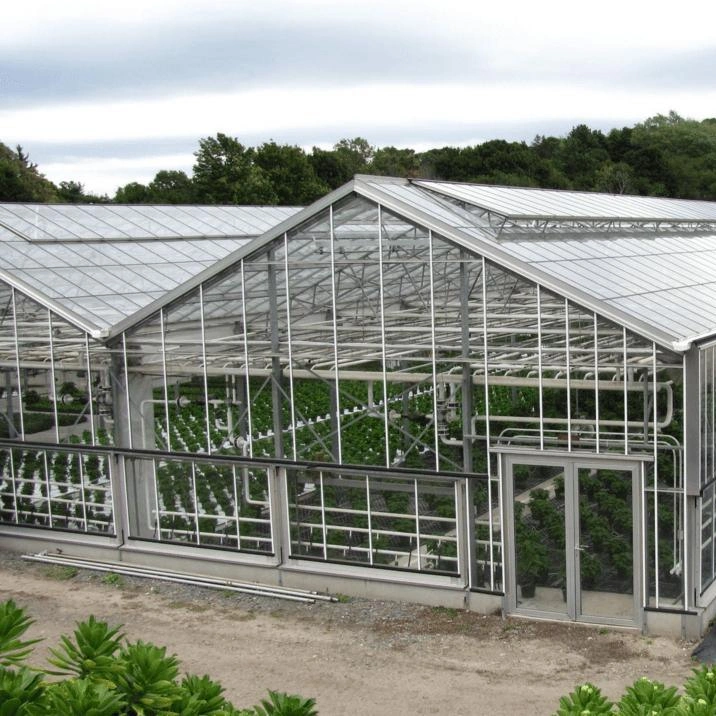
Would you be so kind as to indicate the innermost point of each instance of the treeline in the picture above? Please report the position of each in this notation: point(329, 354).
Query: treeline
point(665, 155)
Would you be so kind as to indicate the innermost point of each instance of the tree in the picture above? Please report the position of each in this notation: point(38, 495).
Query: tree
point(358, 148)
point(73, 192)
point(290, 174)
point(682, 153)
point(394, 162)
point(171, 187)
point(132, 193)
point(225, 173)
point(615, 178)
point(580, 156)
point(444, 163)
point(20, 180)
point(330, 167)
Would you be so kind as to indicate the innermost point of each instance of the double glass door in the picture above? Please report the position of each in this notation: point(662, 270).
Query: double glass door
point(572, 534)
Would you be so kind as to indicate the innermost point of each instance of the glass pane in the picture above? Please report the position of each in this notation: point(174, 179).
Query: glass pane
point(540, 564)
point(605, 546)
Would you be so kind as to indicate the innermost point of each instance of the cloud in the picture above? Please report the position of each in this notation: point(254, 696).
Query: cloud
point(156, 60)
point(82, 52)
point(114, 88)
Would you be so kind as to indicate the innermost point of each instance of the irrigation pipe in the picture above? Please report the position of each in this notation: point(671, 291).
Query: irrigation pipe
point(295, 595)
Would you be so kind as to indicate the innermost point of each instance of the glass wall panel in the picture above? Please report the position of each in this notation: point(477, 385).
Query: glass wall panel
point(56, 489)
point(200, 503)
point(665, 556)
point(401, 523)
point(708, 555)
point(540, 563)
point(54, 380)
point(488, 534)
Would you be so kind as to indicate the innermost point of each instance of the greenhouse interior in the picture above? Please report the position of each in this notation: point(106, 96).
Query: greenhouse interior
point(492, 398)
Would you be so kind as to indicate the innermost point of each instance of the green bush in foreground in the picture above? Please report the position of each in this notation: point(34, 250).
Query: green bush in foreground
point(647, 698)
point(105, 676)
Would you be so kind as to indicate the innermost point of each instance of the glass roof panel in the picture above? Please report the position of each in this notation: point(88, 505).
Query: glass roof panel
point(513, 202)
point(205, 223)
point(25, 255)
point(172, 220)
point(77, 226)
point(252, 220)
point(153, 221)
point(204, 250)
point(31, 222)
point(52, 282)
point(90, 218)
point(57, 222)
point(122, 219)
point(113, 280)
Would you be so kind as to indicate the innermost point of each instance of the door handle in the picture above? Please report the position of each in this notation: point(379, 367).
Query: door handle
point(579, 548)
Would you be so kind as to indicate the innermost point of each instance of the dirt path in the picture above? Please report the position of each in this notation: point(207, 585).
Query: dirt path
point(357, 658)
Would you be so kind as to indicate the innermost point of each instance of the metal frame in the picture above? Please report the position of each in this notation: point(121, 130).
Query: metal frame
point(443, 351)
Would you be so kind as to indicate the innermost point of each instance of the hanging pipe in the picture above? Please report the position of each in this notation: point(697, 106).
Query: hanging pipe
point(242, 444)
point(667, 386)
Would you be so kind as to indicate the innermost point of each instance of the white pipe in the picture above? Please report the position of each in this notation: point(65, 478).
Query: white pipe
point(297, 595)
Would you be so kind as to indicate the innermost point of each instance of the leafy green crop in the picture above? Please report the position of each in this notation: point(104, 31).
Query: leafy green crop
point(13, 624)
point(585, 700)
point(112, 679)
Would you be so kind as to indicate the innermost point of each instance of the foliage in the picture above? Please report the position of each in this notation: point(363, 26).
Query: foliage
point(110, 678)
point(92, 653)
point(225, 173)
point(19, 691)
point(147, 679)
point(281, 704)
point(665, 155)
point(585, 699)
point(13, 624)
point(83, 697)
point(702, 686)
point(73, 192)
point(20, 180)
point(646, 698)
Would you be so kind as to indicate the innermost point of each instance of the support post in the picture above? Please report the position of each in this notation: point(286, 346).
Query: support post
point(692, 475)
point(466, 391)
point(276, 372)
point(134, 490)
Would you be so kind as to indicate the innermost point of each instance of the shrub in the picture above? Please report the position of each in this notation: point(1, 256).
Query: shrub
point(108, 678)
point(585, 699)
point(647, 697)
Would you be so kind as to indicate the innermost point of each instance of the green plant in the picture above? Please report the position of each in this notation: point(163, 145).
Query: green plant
point(532, 560)
point(282, 704)
point(586, 699)
point(648, 697)
point(200, 696)
point(147, 679)
point(92, 654)
point(109, 679)
point(591, 569)
point(113, 579)
point(61, 572)
point(19, 691)
point(82, 697)
point(13, 624)
point(702, 686)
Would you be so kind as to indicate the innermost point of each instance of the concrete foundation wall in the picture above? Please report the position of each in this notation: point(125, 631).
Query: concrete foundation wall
point(364, 582)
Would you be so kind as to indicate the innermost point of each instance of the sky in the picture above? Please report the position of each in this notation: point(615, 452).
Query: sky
point(107, 93)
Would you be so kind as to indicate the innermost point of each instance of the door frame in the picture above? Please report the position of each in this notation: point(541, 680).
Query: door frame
point(571, 463)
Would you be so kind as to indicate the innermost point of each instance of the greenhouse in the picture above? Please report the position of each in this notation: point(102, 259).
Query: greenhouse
point(489, 397)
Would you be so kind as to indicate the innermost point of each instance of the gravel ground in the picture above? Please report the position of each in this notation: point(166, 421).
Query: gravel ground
point(354, 656)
